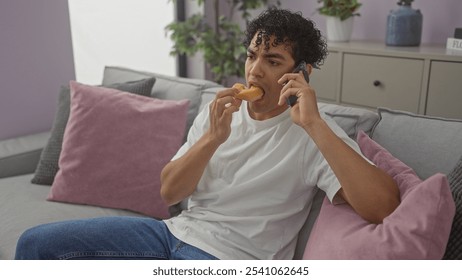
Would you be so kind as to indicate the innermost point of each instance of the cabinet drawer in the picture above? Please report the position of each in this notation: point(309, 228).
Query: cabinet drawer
point(445, 90)
point(325, 80)
point(376, 81)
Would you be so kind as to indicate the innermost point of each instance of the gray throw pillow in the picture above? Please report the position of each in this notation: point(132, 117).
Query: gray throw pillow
point(350, 119)
point(424, 143)
point(454, 247)
point(48, 163)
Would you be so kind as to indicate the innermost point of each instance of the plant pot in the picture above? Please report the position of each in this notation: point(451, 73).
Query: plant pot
point(339, 30)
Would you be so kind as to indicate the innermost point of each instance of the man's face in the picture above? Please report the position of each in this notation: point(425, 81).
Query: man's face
point(263, 68)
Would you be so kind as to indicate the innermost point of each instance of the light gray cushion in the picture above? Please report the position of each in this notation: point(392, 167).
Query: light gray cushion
point(24, 205)
point(166, 87)
point(48, 164)
point(426, 144)
point(20, 155)
point(350, 119)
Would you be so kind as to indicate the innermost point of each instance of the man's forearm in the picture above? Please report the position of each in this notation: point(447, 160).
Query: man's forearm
point(370, 191)
point(180, 177)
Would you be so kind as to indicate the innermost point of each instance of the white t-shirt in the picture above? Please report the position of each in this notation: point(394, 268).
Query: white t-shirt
point(257, 190)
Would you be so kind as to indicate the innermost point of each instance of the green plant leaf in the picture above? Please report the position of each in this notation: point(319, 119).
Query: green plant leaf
point(342, 9)
point(222, 49)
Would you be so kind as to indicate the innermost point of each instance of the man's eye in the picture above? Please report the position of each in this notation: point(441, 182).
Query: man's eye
point(274, 63)
point(250, 56)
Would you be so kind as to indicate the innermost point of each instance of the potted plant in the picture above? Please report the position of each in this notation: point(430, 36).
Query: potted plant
point(219, 39)
point(339, 18)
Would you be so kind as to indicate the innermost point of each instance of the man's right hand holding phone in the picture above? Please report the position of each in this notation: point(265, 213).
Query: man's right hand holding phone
point(291, 100)
point(296, 86)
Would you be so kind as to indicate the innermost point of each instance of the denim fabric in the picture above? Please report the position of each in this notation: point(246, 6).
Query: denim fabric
point(105, 238)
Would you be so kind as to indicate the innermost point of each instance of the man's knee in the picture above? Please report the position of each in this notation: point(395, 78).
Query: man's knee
point(32, 244)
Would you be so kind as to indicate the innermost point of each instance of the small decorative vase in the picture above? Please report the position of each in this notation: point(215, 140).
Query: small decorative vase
point(339, 30)
point(404, 26)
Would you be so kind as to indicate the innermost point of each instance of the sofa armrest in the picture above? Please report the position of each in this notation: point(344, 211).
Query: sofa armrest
point(21, 155)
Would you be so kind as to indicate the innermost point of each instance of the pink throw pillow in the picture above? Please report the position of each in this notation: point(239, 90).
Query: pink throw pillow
point(418, 229)
point(114, 148)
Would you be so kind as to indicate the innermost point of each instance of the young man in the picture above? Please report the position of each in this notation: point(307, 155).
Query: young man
point(250, 169)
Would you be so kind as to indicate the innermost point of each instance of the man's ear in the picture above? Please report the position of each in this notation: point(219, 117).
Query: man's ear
point(309, 68)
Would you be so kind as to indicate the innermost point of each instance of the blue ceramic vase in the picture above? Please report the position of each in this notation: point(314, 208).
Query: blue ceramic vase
point(404, 26)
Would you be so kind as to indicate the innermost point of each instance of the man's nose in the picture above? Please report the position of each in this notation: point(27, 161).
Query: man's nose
point(256, 69)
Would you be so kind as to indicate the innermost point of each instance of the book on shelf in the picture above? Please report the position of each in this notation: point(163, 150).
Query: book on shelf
point(454, 44)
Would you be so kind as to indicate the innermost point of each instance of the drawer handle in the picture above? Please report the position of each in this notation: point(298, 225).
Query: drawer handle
point(377, 83)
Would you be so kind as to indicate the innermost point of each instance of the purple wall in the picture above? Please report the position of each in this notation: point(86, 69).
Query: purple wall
point(440, 18)
point(35, 60)
point(36, 50)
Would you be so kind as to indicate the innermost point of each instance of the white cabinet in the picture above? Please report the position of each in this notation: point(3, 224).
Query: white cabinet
point(445, 89)
point(424, 80)
point(326, 81)
point(385, 81)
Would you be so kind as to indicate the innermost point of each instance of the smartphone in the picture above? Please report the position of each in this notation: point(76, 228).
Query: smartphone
point(301, 66)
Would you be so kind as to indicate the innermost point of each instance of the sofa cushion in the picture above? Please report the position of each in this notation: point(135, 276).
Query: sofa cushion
point(418, 229)
point(166, 87)
point(350, 119)
point(23, 205)
point(20, 155)
point(114, 148)
point(454, 248)
point(48, 163)
point(427, 144)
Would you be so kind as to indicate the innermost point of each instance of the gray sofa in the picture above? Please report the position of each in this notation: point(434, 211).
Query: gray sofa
point(428, 145)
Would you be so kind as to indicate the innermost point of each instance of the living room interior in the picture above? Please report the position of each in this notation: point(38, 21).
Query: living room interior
point(406, 98)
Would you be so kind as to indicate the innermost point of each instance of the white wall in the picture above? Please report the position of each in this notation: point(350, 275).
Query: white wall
point(126, 33)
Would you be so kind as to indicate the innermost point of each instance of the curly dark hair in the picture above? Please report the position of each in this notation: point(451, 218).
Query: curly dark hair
point(289, 28)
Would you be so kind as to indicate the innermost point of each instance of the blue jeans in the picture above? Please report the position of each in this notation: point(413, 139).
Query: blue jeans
point(105, 238)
